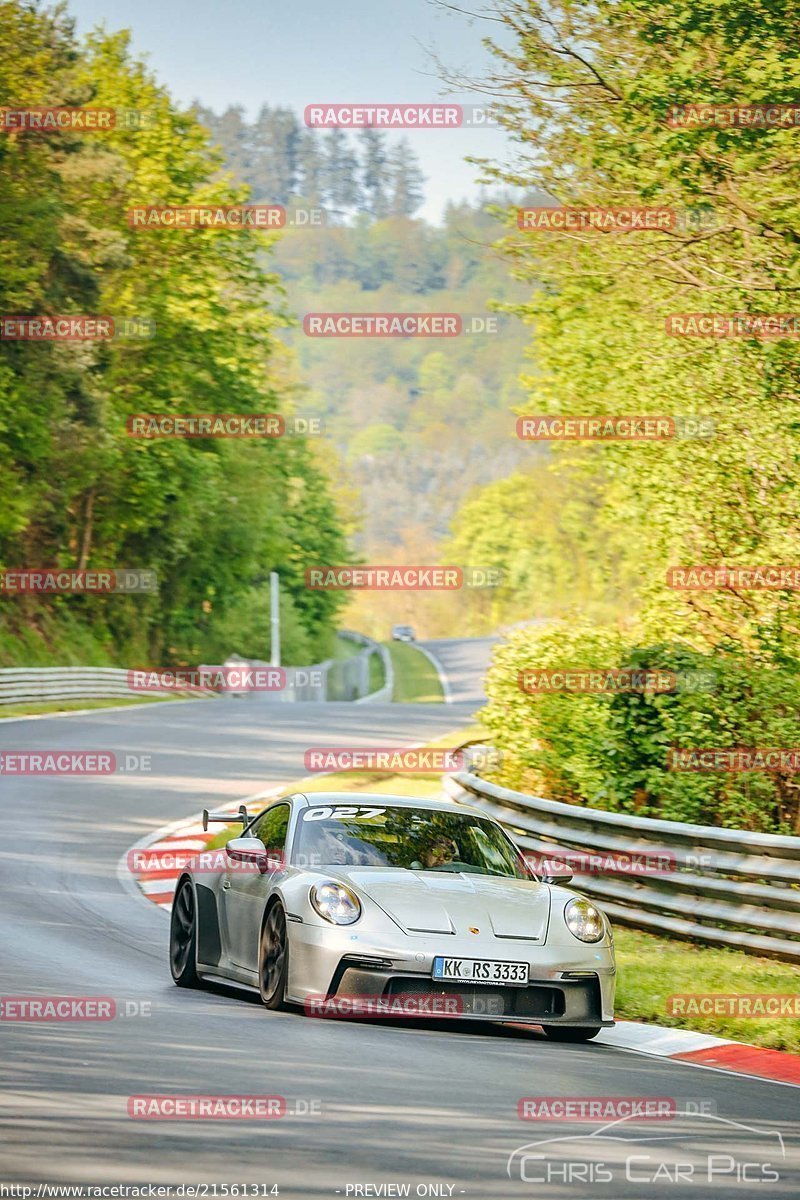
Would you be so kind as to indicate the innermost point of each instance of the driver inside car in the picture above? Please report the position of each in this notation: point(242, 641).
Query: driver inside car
point(438, 853)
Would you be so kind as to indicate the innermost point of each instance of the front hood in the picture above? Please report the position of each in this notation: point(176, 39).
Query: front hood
point(433, 902)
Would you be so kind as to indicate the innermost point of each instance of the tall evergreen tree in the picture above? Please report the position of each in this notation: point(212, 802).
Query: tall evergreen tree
point(233, 135)
point(374, 173)
point(405, 180)
point(310, 168)
point(341, 186)
point(276, 135)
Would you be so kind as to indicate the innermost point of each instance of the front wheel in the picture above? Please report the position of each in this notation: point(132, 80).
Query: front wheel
point(273, 959)
point(571, 1033)
point(183, 938)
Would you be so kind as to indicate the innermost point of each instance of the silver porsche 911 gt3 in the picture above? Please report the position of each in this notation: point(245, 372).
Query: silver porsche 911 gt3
point(389, 904)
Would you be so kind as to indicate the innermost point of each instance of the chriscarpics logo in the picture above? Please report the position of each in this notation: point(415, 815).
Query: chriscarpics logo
point(698, 1151)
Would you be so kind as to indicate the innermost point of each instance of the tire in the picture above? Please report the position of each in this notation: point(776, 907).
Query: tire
point(571, 1033)
point(183, 938)
point(273, 959)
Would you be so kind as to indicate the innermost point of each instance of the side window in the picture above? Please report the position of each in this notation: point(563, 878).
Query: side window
point(273, 827)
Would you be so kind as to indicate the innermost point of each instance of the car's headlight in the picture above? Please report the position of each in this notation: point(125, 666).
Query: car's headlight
point(584, 921)
point(335, 902)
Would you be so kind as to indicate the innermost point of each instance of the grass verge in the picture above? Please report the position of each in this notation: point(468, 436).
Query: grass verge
point(650, 969)
point(415, 678)
point(344, 648)
point(58, 706)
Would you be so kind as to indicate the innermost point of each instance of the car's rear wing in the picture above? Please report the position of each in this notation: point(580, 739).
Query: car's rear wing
point(226, 818)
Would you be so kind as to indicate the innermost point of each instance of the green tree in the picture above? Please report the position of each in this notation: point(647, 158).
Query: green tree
point(406, 181)
point(599, 302)
point(211, 518)
point(276, 136)
point(375, 174)
point(340, 174)
point(310, 168)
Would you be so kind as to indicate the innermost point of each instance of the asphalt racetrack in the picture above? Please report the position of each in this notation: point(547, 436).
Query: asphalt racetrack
point(369, 1103)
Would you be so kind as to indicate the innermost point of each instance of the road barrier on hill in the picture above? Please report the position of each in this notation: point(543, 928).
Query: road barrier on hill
point(384, 694)
point(339, 678)
point(334, 679)
point(722, 887)
point(29, 685)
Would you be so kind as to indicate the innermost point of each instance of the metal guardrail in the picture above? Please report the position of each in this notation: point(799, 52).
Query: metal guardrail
point(382, 695)
point(723, 887)
point(23, 685)
point(344, 679)
point(334, 679)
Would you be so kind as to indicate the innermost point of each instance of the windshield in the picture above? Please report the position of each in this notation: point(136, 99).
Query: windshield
point(417, 839)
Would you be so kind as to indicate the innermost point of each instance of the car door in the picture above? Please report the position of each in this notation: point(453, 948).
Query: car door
point(245, 887)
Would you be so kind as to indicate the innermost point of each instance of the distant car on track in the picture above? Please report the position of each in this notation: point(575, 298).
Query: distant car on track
point(403, 633)
point(341, 897)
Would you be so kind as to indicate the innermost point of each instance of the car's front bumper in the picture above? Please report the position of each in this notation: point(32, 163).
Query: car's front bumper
point(567, 985)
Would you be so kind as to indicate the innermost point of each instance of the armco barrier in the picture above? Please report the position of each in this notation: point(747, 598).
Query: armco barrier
point(727, 887)
point(339, 679)
point(382, 695)
point(25, 685)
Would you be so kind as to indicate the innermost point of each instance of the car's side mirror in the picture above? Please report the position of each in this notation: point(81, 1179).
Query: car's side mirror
point(566, 878)
point(248, 850)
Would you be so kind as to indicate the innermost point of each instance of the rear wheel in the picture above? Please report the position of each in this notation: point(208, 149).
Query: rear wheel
point(571, 1033)
point(273, 959)
point(183, 938)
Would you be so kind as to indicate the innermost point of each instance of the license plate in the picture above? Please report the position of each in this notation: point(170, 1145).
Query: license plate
point(480, 970)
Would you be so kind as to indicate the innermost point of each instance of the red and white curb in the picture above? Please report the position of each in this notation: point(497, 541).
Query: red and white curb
point(703, 1050)
point(155, 863)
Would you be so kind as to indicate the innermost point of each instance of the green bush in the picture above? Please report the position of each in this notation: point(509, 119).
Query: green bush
point(559, 742)
point(748, 704)
point(613, 750)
